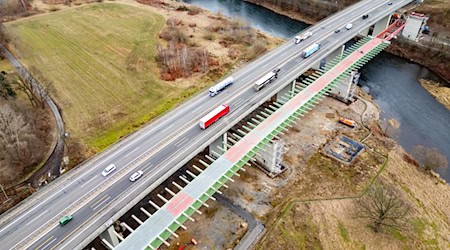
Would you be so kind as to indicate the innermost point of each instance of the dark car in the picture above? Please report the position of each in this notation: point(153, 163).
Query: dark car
point(390, 3)
point(365, 16)
point(337, 31)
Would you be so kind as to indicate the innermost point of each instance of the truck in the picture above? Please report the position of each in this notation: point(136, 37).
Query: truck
point(310, 50)
point(214, 116)
point(303, 37)
point(266, 79)
point(214, 90)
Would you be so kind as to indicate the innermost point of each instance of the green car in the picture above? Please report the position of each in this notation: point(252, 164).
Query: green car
point(64, 220)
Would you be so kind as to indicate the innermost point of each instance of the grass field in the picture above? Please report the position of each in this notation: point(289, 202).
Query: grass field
point(101, 58)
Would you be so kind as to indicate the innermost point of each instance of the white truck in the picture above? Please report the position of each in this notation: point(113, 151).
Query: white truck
point(298, 39)
point(266, 79)
point(214, 90)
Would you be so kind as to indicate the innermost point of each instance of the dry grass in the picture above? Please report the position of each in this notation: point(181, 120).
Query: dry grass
point(442, 94)
point(105, 75)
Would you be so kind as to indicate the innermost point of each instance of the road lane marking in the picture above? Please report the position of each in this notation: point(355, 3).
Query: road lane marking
point(182, 141)
point(95, 203)
point(101, 203)
point(131, 145)
point(147, 168)
point(45, 243)
point(140, 136)
point(37, 217)
point(131, 151)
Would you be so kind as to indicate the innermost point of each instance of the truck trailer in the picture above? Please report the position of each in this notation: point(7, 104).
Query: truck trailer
point(310, 50)
point(303, 37)
point(214, 115)
point(214, 90)
point(266, 79)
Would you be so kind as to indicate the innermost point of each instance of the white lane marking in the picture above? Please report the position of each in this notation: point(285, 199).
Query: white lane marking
point(37, 217)
point(131, 151)
point(182, 141)
point(101, 203)
point(147, 168)
point(48, 244)
point(140, 137)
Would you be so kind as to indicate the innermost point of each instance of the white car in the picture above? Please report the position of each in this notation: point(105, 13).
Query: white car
point(136, 175)
point(349, 26)
point(109, 169)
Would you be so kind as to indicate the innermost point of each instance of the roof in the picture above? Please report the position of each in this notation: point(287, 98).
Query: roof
point(212, 113)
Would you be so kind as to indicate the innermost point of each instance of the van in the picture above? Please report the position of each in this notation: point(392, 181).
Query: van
point(109, 169)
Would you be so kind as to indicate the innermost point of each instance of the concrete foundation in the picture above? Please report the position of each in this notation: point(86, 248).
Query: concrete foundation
point(110, 237)
point(335, 54)
point(219, 146)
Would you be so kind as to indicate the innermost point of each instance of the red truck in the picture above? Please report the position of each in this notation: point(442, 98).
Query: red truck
point(214, 115)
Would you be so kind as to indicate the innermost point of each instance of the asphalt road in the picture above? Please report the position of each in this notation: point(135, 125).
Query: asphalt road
point(163, 146)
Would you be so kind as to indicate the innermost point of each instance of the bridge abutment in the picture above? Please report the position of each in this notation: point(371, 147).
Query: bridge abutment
point(219, 146)
point(381, 25)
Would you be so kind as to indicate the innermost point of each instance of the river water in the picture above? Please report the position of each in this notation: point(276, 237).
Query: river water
point(391, 80)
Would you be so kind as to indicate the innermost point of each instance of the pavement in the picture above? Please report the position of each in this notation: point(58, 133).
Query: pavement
point(164, 145)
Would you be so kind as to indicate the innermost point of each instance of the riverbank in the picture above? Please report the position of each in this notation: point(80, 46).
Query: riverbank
point(441, 93)
point(428, 55)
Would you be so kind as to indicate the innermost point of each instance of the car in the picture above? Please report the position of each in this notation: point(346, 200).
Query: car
point(136, 175)
point(276, 70)
point(64, 220)
point(337, 31)
point(349, 26)
point(109, 169)
point(390, 3)
point(365, 16)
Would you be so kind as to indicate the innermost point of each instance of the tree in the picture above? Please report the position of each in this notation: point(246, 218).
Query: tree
point(383, 208)
point(15, 133)
point(429, 158)
point(6, 89)
point(36, 86)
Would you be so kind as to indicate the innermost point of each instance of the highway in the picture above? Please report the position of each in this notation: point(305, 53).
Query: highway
point(164, 145)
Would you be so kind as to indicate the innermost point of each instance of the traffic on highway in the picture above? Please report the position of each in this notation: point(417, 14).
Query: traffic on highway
point(71, 212)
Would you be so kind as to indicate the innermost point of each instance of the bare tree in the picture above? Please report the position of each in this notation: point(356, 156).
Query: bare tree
point(14, 133)
point(44, 88)
point(36, 87)
point(383, 208)
point(429, 158)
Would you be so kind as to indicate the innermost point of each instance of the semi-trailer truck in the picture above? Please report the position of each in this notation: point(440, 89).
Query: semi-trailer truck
point(303, 37)
point(214, 115)
point(214, 90)
point(310, 50)
point(266, 79)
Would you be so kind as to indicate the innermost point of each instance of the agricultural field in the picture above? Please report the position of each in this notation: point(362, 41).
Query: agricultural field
point(101, 60)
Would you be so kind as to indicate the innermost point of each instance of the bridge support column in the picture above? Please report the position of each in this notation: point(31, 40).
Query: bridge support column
point(219, 142)
point(286, 91)
point(270, 157)
point(381, 25)
point(337, 53)
point(365, 32)
point(110, 237)
point(345, 90)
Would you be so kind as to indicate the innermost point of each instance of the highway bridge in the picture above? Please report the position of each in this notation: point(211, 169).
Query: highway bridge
point(163, 146)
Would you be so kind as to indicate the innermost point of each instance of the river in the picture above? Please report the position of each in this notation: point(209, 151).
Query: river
point(391, 80)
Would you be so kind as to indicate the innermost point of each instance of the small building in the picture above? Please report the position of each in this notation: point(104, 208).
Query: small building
point(415, 24)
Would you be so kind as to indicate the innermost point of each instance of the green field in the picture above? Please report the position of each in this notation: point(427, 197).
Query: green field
point(101, 58)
